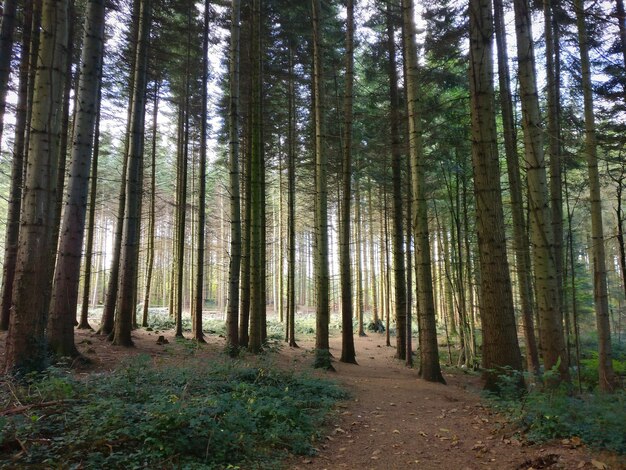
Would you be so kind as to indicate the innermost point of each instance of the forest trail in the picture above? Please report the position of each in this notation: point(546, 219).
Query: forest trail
point(395, 420)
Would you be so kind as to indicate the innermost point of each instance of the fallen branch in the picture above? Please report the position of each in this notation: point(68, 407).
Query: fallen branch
point(21, 409)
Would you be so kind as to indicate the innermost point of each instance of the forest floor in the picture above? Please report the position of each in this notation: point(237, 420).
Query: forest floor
point(393, 419)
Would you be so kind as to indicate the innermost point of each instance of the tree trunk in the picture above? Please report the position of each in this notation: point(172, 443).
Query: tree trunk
point(500, 347)
point(553, 95)
point(64, 299)
point(396, 163)
point(132, 216)
point(348, 353)
point(26, 343)
point(600, 289)
point(7, 29)
point(541, 235)
point(17, 171)
point(152, 210)
point(291, 206)
point(429, 354)
point(91, 220)
point(232, 313)
point(256, 190)
point(520, 238)
point(199, 281)
point(322, 281)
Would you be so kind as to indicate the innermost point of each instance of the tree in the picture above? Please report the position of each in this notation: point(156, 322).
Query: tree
point(396, 168)
point(520, 236)
point(500, 347)
point(322, 312)
point(29, 40)
point(67, 272)
point(7, 29)
point(429, 354)
point(347, 336)
point(541, 234)
point(257, 200)
point(232, 313)
point(600, 289)
point(26, 344)
point(130, 241)
point(199, 298)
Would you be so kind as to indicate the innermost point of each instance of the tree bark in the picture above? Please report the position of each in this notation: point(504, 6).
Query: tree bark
point(17, 172)
point(256, 191)
point(541, 234)
point(322, 281)
point(64, 299)
point(7, 29)
point(91, 220)
point(199, 297)
point(132, 217)
point(348, 353)
point(500, 346)
point(429, 354)
point(26, 347)
point(396, 164)
point(152, 210)
point(520, 237)
point(607, 381)
point(291, 206)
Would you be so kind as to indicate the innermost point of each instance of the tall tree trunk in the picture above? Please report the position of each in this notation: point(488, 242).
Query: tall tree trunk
point(26, 347)
point(256, 190)
point(541, 235)
point(396, 163)
point(232, 313)
point(600, 288)
point(183, 166)
point(107, 322)
point(500, 347)
point(132, 216)
point(7, 29)
point(553, 86)
point(348, 353)
point(17, 171)
point(152, 210)
point(64, 300)
point(359, 254)
point(199, 297)
point(322, 281)
point(91, 220)
point(373, 284)
point(520, 238)
point(429, 354)
point(291, 205)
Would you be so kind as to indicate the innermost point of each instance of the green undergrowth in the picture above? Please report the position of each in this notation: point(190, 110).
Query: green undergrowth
point(200, 415)
point(542, 414)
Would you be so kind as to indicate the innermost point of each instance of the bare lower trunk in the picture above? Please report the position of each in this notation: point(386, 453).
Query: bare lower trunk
point(500, 347)
point(64, 300)
point(429, 353)
point(26, 343)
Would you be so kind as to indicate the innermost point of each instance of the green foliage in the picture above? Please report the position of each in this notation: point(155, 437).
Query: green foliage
point(218, 415)
point(544, 414)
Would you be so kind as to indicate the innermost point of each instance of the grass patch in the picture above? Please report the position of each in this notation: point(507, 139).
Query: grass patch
point(217, 415)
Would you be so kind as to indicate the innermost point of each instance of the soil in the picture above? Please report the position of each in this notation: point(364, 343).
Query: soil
point(393, 420)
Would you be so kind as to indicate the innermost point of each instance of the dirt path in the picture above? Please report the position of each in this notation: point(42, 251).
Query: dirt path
point(394, 420)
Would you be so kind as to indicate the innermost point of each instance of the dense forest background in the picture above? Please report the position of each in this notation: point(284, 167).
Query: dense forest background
point(456, 169)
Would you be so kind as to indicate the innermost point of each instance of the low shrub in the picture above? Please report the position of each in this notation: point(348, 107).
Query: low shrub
point(218, 415)
point(543, 414)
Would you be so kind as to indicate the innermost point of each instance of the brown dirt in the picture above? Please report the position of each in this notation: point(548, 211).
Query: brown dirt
point(393, 419)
